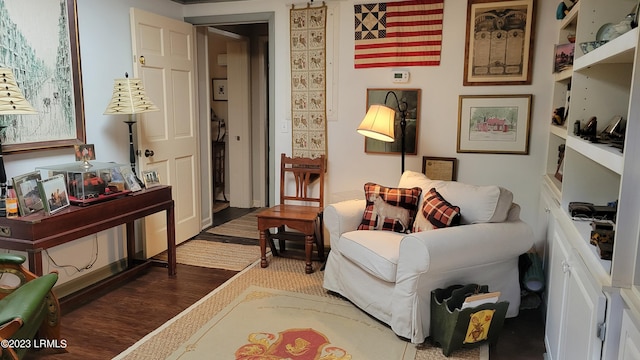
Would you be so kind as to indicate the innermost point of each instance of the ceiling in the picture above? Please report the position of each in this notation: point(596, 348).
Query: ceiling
point(201, 1)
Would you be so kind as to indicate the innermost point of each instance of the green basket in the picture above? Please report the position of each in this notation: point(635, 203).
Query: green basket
point(452, 328)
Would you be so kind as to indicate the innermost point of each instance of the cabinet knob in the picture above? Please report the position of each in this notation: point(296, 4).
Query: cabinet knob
point(566, 268)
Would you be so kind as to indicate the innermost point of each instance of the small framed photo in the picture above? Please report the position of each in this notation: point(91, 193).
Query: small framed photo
point(439, 168)
point(494, 124)
point(84, 152)
point(563, 57)
point(219, 89)
point(150, 178)
point(53, 192)
point(130, 178)
point(26, 187)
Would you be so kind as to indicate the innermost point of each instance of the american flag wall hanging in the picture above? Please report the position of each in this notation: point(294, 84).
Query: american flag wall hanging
point(402, 33)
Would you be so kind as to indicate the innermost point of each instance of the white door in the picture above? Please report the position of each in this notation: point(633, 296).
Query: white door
point(239, 124)
point(163, 51)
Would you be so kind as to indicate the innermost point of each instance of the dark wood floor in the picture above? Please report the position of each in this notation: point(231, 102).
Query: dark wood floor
point(118, 317)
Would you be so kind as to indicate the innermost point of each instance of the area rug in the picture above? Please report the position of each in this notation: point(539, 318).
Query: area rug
point(282, 274)
point(268, 323)
point(245, 226)
point(213, 254)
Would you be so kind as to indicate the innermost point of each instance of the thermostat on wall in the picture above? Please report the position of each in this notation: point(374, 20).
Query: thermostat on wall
point(400, 76)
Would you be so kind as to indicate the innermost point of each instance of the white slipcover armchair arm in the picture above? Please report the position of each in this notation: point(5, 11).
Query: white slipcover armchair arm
point(342, 217)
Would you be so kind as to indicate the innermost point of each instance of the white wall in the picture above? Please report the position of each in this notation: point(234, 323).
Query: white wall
point(349, 166)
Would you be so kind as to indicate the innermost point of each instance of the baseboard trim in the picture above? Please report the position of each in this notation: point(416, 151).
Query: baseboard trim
point(89, 279)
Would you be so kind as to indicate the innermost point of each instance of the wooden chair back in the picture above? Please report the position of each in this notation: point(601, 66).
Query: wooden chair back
point(304, 172)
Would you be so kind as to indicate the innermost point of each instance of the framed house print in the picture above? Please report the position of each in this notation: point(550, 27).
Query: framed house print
point(494, 124)
point(46, 62)
point(499, 42)
point(412, 98)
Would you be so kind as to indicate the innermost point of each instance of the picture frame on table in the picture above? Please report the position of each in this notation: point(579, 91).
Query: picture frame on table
point(219, 89)
point(150, 178)
point(130, 178)
point(60, 118)
point(54, 195)
point(26, 187)
point(440, 168)
point(499, 42)
point(494, 124)
point(412, 98)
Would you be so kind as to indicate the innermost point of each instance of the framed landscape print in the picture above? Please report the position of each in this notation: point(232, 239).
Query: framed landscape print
point(499, 42)
point(45, 58)
point(494, 124)
point(412, 98)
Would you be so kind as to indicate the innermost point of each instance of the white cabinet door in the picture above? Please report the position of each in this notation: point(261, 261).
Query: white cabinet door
point(629, 338)
point(584, 312)
point(557, 275)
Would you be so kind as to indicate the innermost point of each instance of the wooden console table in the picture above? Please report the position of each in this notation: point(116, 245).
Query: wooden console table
point(35, 232)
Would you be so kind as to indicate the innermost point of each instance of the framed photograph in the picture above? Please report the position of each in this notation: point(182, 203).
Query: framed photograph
point(499, 42)
point(563, 57)
point(26, 187)
point(439, 168)
point(53, 192)
point(85, 152)
point(219, 89)
point(130, 178)
point(412, 98)
point(559, 170)
point(494, 124)
point(47, 43)
point(150, 178)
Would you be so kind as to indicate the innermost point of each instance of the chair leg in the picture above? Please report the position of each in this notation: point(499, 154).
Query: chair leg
point(319, 237)
point(281, 242)
point(308, 249)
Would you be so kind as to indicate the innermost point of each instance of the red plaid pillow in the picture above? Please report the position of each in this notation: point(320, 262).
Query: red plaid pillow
point(392, 209)
point(439, 211)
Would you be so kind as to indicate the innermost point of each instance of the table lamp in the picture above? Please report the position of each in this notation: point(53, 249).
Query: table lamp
point(379, 123)
point(12, 102)
point(129, 98)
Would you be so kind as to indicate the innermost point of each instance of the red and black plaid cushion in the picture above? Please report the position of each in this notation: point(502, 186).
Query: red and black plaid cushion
point(439, 211)
point(392, 209)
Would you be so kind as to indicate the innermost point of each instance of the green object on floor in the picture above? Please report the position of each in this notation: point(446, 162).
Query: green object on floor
point(454, 328)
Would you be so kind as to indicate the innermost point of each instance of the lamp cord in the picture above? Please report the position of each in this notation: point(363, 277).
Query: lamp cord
point(92, 261)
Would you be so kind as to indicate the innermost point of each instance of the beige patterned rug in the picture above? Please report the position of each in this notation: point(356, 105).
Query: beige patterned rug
point(213, 254)
point(245, 227)
point(282, 274)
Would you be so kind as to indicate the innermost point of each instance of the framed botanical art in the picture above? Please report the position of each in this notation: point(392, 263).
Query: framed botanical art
point(46, 61)
point(499, 42)
point(412, 99)
point(494, 124)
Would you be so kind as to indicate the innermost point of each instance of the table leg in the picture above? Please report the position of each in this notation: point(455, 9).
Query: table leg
point(35, 261)
point(263, 249)
point(171, 241)
point(131, 244)
point(308, 247)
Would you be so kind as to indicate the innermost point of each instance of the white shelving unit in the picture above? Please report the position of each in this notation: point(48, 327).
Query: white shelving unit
point(603, 83)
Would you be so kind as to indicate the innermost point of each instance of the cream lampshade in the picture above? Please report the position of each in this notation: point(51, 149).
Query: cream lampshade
point(378, 123)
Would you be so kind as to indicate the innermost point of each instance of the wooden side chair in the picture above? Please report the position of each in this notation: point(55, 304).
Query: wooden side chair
point(299, 209)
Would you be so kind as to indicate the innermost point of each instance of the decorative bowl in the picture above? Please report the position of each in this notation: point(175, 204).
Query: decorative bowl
point(591, 45)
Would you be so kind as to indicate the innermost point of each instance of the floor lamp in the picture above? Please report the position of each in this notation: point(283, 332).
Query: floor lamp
point(130, 98)
point(12, 102)
point(379, 123)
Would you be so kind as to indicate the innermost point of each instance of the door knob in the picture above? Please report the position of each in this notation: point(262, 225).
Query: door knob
point(148, 153)
point(142, 60)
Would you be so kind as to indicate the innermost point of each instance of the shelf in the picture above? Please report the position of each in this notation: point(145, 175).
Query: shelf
point(555, 186)
point(563, 75)
point(620, 50)
point(559, 131)
point(603, 154)
point(571, 18)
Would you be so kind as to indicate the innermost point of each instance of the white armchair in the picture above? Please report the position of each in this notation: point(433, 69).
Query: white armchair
point(391, 275)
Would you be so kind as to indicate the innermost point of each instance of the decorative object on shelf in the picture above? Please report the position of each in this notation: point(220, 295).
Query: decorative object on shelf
point(219, 89)
point(564, 8)
point(558, 116)
point(499, 42)
point(559, 169)
point(494, 124)
point(52, 64)
point(589, 46)
point(151, 178)
point(615, 128)
point(308, 63)
point(602, 237)
point(12, 102)
point(380, 123)
point(589, 132)
point(440, 168)
point(53, 192)
point(26, 187)
point(563, 57)
point(85, 153)
point(130, 98)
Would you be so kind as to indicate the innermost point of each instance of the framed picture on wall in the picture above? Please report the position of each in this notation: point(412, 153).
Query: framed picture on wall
point(494, 124)
point(219, 89)
point(412, 98)
point(499, 42)
point(439, 168)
